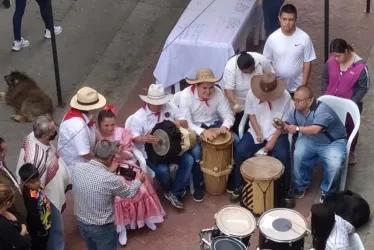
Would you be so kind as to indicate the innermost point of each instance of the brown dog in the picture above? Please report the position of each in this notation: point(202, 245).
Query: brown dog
point(28, 100)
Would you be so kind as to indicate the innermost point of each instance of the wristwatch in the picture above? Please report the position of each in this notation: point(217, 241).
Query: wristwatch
point(297, 128)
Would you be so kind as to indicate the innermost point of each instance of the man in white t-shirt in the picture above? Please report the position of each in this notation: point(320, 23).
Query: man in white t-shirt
point(77, 131)
point(237, 76)
point(290, 50)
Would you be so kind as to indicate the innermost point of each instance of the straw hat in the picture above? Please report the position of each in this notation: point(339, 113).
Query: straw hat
point(87, 99)
point(203, 75)
point(267, 87)
point(156, 95)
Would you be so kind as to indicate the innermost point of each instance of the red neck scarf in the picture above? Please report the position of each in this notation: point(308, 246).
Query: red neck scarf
point(201, 99)
point(269, 103)
point(157, 114)
point(72, 112)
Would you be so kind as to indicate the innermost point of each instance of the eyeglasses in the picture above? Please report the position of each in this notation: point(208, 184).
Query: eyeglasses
point(299, 101)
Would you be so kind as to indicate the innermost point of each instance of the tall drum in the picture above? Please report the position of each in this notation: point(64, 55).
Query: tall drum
point(259, 174)
point(282, 228)
point(217, 162)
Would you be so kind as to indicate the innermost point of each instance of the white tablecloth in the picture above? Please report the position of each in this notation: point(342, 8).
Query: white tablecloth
point(209, 42)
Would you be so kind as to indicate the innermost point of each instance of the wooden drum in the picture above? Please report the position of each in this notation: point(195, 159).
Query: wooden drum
point(259, 174)
point(217, 162)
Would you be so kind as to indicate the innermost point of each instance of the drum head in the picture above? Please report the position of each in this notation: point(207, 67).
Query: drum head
point(262, 168)
point(235, 221)
point(282, 225)
point(221, 138)
point(227, 243)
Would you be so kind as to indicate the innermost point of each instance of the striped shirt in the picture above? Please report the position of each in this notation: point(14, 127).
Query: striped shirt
point(94, 190)
point(339, 236)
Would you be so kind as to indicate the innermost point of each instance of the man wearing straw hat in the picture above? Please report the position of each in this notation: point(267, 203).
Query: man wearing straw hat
point(77, 130)
point(204, 106)
point(266, 101)
point(157, 108)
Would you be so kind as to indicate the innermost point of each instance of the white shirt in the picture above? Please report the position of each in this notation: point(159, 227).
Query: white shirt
point(339, 236)
point(280, 108)
point(197, 112)
point(53, 172)
point(288, 54)
point(235, 79)
point(144, 120)
point(75, 139)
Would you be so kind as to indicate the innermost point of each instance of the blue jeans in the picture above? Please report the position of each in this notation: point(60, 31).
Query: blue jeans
point(20, 10)
point(271, 10)
point(182, 177)
point(102, 237)
point(247, 148)
point(56, 240)
point(306, 154)
point(197, 175)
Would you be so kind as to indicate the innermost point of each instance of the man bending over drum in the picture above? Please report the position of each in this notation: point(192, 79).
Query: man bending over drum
point(323, 138)
point(156, 109)
point(266, 101)
point(202, 104)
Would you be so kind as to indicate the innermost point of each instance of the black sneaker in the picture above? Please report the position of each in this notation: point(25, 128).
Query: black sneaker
point(174, 200)
point(230, 189)
point(289, 201)
point(234, 197)
point(298, 194)
point(198, 195)
point(6, 4)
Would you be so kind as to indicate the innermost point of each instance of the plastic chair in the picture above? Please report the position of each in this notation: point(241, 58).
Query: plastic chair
point(355, 242)
point(242, 124)
point(138, 153)
point(343, 106)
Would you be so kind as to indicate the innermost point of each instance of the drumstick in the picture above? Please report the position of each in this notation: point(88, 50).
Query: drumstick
point(305, 228)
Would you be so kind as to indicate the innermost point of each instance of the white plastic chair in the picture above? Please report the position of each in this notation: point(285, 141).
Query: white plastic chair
point(355, 242)
point(138, 153)
point(242, 124)
point(343, 106)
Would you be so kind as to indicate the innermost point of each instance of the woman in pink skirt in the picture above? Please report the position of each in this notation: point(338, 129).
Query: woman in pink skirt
point(143, 209)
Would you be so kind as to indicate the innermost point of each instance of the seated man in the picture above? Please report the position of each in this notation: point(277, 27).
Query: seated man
point(157, 109)
point(202, 104)
point(267, 99)
point(323, 137)
point(239, 71)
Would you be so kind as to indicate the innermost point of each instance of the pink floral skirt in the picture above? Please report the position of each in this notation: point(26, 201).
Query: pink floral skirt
point(135, 212)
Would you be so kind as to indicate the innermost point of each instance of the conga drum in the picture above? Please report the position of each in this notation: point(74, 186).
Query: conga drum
point(282, 228)
point(259, 174)
point(217, 162)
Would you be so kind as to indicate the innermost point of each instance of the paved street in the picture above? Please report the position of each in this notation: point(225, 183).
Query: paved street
point(109, 45)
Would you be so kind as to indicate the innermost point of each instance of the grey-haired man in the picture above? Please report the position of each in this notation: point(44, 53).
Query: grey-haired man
point(95, 186)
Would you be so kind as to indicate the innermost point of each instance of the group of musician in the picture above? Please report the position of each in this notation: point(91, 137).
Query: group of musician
point(270, 90)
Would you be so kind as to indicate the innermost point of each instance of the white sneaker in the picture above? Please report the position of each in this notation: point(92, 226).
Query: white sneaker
point(18, 45)
point(47, 33)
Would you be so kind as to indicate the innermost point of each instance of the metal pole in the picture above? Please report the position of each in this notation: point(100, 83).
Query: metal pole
point(55, 56)
point(368, 6)
point(327, 15)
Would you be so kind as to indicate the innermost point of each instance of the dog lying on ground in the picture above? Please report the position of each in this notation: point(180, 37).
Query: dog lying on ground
point(28, 100)
point(350, 206)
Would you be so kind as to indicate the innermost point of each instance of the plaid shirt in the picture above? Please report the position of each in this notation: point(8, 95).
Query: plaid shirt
point(94, 189)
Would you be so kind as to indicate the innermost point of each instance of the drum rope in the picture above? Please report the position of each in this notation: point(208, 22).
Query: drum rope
point(264, 192)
